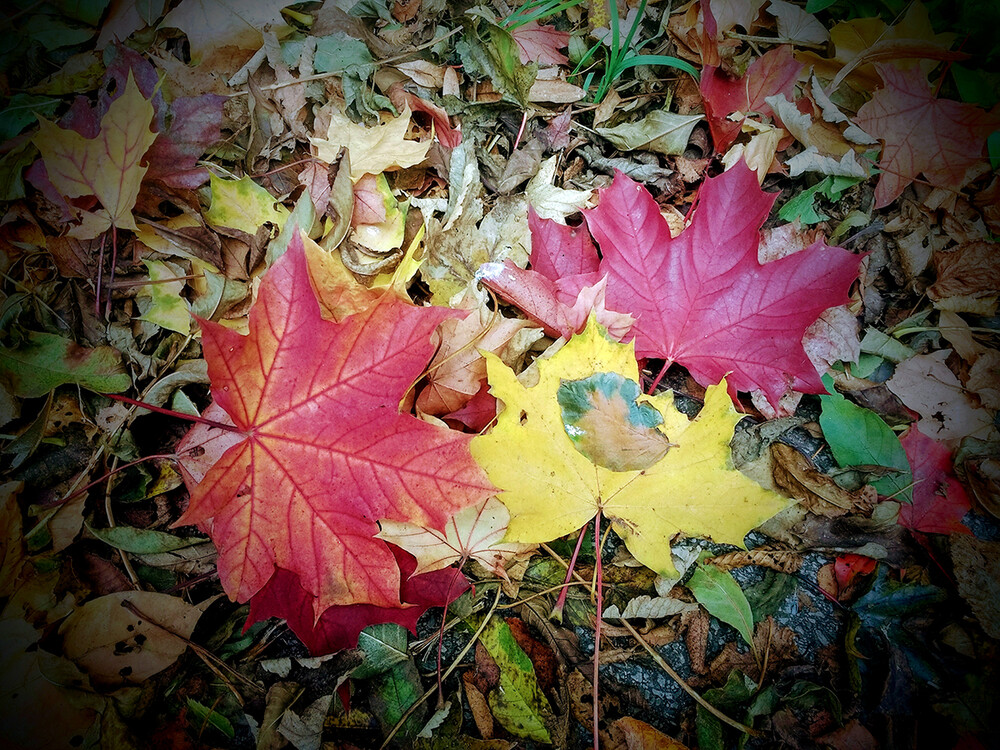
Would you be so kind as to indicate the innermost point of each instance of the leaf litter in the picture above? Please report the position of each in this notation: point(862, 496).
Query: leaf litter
point(524, 365)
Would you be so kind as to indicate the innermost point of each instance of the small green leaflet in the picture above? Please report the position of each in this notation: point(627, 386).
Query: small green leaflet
point(45, 361)
point(719, 593)
point(143, 541)
point(859, 437)
point(393, 692)
point(384, 646)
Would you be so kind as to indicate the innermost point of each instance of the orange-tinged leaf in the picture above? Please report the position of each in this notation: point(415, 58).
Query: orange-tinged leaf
point(323, 450)
point(107, 167)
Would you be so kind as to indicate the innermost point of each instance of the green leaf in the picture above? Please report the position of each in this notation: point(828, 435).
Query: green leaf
point(205, 716)
point(859, 437)
point(166, 307)
point(802, 206)
point(21, 111)
point(12, 166)
point(876, 342)
point(518, 704)
point(496, 54)
point(143, 541)
point(718, 592)
point(45, 361)
point(384, 647)
point(393, 692)
point(242, 204)
point(888, 603)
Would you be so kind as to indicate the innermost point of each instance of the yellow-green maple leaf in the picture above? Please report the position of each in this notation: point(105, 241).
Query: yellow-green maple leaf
point(551, 488)
point(107, 167)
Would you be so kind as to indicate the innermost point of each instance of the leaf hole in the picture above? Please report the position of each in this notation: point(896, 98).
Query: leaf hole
point(524, 417)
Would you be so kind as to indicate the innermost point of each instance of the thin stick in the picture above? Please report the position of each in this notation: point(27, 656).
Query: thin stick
point(684, 686)
point(557, 611)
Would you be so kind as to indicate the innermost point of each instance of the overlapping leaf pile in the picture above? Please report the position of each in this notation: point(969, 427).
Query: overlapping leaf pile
point(745, 331)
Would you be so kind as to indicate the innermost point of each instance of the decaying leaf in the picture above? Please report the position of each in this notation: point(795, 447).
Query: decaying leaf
point(115, 645)
point(552, 489)
point(950, 137)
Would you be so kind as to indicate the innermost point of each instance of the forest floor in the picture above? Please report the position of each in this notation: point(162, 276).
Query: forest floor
point(362, 365)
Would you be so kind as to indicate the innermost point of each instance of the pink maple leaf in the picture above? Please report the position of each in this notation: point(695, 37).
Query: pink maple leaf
point(540, 44)
point(770, 74)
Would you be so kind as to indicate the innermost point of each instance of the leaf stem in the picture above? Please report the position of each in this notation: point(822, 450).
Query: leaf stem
point(557, 611)
point(172, 413)
point(599, 574)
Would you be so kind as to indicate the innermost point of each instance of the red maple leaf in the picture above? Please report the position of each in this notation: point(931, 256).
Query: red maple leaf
point(938, 137)
point(939, 501)
point(703, 299)
point(770, 74)
point(338, 627)
point(323, 450)
point(564, 285)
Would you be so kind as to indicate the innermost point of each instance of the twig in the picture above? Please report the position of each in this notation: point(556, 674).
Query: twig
point(684, 686)
point(211, 661)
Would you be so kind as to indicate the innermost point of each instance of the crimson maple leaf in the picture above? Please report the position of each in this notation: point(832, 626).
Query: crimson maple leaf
point(703, 299)
point(939, 501)
point(938, 137)
point(323, 451)
point(338, 627)
point(770, 74)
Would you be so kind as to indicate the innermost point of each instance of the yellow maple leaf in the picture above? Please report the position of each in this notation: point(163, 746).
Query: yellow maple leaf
point(107, 166)
point(373, 149)
point(537, 454)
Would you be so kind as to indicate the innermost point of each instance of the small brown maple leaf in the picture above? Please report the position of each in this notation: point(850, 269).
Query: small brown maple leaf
point(938, 137)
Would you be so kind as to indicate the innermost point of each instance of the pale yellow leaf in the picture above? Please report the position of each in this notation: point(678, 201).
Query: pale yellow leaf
point(373, 149)
point(106, 167)
point(474, 533)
